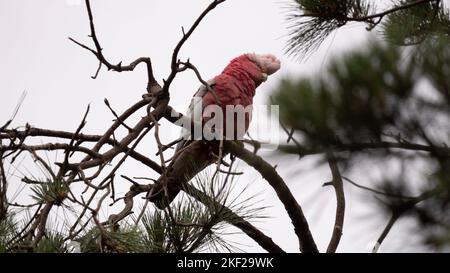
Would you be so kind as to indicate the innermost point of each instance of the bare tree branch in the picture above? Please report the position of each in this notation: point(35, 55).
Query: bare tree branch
point(174, 62)
point(362, 146)
point(291, 205)
point(35, 132)
point(3, 188)
point(118, 67)
point(340, 204)
point(385, 232)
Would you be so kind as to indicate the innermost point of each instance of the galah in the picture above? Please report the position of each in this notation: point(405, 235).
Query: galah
point(235, 86)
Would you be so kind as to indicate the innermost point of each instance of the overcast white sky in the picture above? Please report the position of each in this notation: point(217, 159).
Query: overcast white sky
point(37, 57)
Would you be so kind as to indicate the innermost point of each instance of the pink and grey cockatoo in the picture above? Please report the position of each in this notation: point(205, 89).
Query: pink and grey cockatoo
point(235, 86)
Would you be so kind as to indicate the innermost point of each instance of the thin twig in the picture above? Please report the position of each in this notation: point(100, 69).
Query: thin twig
point(340, 204)
point(115, 115)
point(174, 62)
point(377, 191)
point(385, 232)
point(118, 67)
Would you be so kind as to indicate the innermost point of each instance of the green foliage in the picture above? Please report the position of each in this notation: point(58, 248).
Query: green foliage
point(435, 62)
point(406, 22)
point(377, 94)
point(50, 191)
point(8, 228)
point(311, 21)
point(52, 242)
point(155, 227)
point(414, 25)
point(357, 100)
point(112, 240)
point(370, 95)
point(187, 226)
point(182, 233)
point(192, 227)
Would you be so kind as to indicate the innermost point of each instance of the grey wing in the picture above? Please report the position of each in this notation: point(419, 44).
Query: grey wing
point(194, 112)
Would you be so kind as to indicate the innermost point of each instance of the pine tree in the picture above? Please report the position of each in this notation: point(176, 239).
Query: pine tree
point(386, 102)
